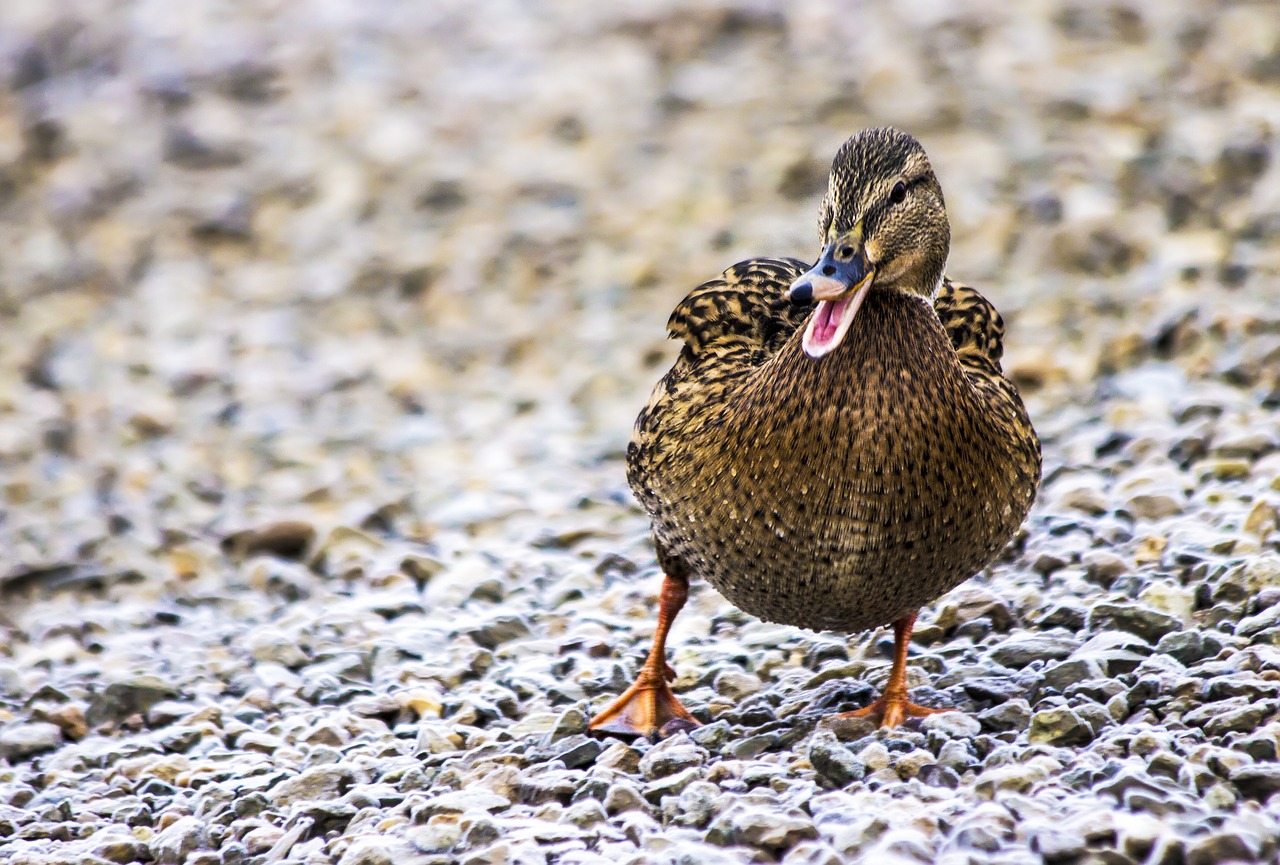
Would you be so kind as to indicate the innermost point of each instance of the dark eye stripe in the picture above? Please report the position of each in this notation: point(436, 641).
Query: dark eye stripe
point(877, 212)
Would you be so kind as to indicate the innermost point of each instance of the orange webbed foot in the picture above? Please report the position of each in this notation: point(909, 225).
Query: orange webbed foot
point(646, 708)
point(891, 710)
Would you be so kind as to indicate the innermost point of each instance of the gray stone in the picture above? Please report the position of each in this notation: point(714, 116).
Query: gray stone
point(548, 786)
point(371, 851)
point(1059, 726)
point(970, 602)
point(1017, 777)
point(435, 837)
point(1104, 566)
point(1261, 748)
point(695, 806)
point(1258, 780)
point(1250, 625)
point(499, 630)
point(1095, 715)
point(10, 681)
point(958, 756)
point(1097, 690)
point(752, 746)
point(772, 830)
point(250, 804)
point(1247, 443)
point(1249, 685)
point(1156, 505)
point(578, 751)
point(987, 688)
point(736, 684)
point(813, 853)
point(1021, 649)
point(175, 844)
point(116, 845)
point(936, 775)
point(1220, 847)
point(460, 801)
point(319, 782)
point(21, 741)
point(1118, 652)
point(1010, 715)
point(121, 699)
point(1261, 572)
point(478, 829)
point(1189, 647)
point(1062, 614)
point(1147, 623)
point(835, 764)
point(1129, 780)
point(620, 757)
point(955, 725)
point(712, 736)
point(572, 721)
point(1243, 719)
point(1059, 843)
point(623, 796)
point(1072, 671)
point(671, 784)
point(670, 756)
point(585, 813)
point(328, 816)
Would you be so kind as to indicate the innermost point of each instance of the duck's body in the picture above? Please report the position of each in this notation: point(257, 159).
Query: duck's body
point(841, 492)
point(840, 467)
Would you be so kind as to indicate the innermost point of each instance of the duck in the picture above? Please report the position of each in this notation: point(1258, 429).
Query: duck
point(836, 446)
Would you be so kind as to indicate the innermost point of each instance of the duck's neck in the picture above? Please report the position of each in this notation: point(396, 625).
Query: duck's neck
point(893, 330)
point(894, 370)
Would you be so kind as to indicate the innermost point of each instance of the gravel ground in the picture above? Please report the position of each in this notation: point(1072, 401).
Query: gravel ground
point(324, 325)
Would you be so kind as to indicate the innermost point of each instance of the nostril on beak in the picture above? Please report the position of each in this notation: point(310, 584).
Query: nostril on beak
point(829, 270)
point(802, 294)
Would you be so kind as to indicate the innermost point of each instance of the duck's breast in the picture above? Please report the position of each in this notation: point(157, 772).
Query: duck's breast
point(846, 491)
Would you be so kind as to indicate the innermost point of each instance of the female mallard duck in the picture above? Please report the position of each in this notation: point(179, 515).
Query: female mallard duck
point(836, 468)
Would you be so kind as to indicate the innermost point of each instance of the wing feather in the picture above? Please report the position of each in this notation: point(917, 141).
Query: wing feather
point(745, 309)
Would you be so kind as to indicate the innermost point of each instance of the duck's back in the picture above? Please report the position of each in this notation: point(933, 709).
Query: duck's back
point(846, 491)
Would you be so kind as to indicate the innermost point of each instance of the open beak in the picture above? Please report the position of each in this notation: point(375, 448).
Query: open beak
point(839, 282)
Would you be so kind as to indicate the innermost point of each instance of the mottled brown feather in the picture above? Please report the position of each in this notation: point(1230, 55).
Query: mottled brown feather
point(843, 492)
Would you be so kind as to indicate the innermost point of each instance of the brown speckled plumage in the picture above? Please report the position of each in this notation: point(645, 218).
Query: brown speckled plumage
point(837, 467)
point(842, 492)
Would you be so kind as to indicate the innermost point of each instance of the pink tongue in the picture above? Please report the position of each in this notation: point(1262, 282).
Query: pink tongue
point(828, 320)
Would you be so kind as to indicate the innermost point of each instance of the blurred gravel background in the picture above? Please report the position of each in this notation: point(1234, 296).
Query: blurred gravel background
point(323, 328)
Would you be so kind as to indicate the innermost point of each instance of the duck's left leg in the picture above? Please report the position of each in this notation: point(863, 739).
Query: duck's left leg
point(649, 706)
point(893, 707)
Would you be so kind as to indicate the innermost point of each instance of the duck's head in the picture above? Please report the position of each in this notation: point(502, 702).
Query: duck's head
point(883, 226)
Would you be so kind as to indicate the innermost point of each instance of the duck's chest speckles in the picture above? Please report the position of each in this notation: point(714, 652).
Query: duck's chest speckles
point(843, 491)
point(888, 409)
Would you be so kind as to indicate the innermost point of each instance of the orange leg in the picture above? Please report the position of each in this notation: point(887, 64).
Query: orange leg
point(893, 707)
point(648, 706)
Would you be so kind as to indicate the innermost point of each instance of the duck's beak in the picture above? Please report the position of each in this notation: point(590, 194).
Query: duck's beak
point(839, 282)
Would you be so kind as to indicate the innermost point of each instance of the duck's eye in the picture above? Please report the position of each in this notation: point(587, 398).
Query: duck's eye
point(899, 193)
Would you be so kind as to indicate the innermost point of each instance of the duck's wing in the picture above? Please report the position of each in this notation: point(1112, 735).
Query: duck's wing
point(975, 327)
point(976, 330)
point(745, 313)
point(730, 326)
